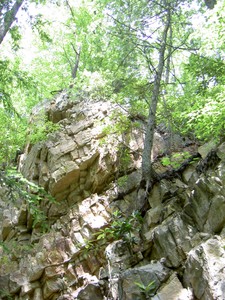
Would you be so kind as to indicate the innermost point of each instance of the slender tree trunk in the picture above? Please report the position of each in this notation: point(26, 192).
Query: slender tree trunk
point(148, 174)
point(9, 19)
point(167, 111)
point(76, 65)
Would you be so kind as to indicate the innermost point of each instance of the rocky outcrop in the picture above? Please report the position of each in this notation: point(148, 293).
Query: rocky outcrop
point(95, 244)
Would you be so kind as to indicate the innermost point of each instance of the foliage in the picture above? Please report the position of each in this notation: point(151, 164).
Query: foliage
point(207, 71)
point(12, 137)
point(16, 37)
point(124, 158)
point(175, 160)
point(39, 25)
point(81, 32)
point(119, 43)
point(147, 290)
point(121, 181)
point(206, 116)
point(8, 12)
point(6, 264)
point(40, 128)
point(5, 294)
point(120, 228)
point(92, 86)
point(195, 100)
point(34, 195)
point(198, 109)
point(120, 124)
point(15, 85)
point(18, 93)
point(8, 17)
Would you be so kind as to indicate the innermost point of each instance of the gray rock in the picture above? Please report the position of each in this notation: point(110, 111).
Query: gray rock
point(81, 166)
point(221, 151)
point(38, 294)
point(53, 286)
point(172, 240)
point(206, 148)
point(172, 289)
point(137, 283)
point(204, 270)
point(91, 291)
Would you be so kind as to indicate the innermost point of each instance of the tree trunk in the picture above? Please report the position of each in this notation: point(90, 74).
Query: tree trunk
point(9, 18)
point(76, 65)
point(148, 174)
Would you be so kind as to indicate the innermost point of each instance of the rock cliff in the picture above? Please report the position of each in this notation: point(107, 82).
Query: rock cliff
point(93, 242)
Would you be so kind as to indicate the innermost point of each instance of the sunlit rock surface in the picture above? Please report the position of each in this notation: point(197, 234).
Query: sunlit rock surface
point(90, 251)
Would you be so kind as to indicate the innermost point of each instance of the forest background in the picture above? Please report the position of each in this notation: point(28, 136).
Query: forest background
point(161, 60)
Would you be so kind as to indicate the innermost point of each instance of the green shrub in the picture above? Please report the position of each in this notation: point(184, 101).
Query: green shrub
point(40, 128)
point(18, 186)
point(175, 160)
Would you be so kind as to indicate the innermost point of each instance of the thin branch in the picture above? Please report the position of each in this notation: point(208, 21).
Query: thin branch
point(71, 10)
point(74, 49)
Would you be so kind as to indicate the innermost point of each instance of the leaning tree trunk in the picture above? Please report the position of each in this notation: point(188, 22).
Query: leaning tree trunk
point(148, 174)
point(9, 18)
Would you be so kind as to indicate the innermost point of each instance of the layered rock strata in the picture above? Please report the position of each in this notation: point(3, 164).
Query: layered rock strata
point(91, 251)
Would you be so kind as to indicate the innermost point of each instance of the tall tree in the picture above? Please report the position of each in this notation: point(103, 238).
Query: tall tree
point(173, 12)
point(150, 33)
point(147, 171)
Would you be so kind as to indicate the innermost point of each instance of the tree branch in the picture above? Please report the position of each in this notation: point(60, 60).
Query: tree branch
point(9, 18)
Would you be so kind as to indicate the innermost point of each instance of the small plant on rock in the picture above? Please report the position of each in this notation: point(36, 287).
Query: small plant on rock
point(175, 160)
point(121, 181)
point(147, 290)
point(121, 227)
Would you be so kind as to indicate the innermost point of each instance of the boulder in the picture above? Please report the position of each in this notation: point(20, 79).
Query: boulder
point(204, 270)
point(141, 282)
point(91, 291)
point(172, 289)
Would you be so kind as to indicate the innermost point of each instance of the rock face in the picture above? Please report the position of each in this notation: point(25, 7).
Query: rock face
point(94, 244)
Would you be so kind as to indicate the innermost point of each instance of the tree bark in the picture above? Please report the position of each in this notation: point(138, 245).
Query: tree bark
point(76, 65)
point(9, 18)
point(148, 174)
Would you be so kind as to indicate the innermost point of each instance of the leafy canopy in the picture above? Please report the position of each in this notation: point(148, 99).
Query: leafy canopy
point(117, 42)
